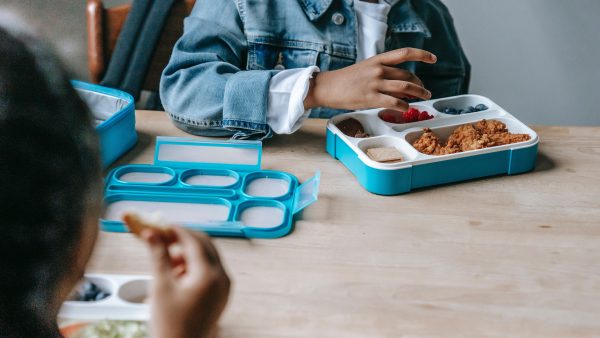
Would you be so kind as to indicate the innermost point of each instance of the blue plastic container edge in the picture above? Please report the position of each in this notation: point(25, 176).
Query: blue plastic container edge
point(117, 134)
point(523, 159)
point(144, 168)
point(225, 229)
point(307, 193)
point(111, 92)
point(395, 182)
point(250, 176)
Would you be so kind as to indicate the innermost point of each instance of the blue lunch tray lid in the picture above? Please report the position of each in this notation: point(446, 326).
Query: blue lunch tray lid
point(307, 193)
point(244, 201)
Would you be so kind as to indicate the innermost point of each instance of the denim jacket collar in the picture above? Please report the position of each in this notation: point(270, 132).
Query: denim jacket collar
point(405, 19)
point(315, 8)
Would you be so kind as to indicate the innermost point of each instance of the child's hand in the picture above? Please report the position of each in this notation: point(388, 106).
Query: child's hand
point(190, 288)
point(372, 83)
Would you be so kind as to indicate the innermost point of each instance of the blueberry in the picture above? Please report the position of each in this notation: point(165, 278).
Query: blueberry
point(90, 292)
point(451, 111)
point(472, 109)
point(91, 295)
point(481, 107)
point(463, 111)
point(87, 287)
point(101, 295)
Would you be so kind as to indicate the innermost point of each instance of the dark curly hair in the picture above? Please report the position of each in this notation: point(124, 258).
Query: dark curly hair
point(49, 175)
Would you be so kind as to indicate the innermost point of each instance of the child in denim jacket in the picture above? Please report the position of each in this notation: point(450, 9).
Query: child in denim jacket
point(248, 68)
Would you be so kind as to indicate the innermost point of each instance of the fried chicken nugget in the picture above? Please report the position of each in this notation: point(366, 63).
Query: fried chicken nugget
point(483, 134)
point(508, 138)
point(466, 138)
point(428, 143)
point(490, 127)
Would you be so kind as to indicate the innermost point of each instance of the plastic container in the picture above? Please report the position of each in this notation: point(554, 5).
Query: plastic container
point(418, 170)
point(213, 186)
point(114, 113)
point(127, 299)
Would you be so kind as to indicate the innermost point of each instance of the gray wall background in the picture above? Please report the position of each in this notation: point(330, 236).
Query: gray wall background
point(539, 59)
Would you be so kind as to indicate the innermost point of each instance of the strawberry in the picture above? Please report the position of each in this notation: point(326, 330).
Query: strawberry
point(424, 116)
point(411, 115)
point(391, 116)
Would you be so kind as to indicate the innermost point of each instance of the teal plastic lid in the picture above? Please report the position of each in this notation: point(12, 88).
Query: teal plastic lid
point(307, 193)
point(177, 152)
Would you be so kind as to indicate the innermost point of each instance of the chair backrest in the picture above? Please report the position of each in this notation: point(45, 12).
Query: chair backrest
point(104, 26)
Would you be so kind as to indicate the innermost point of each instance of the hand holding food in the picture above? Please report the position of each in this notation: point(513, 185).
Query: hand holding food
point(190, 288)
point(373, 83)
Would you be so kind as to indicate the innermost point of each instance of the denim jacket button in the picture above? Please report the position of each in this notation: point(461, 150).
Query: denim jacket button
point(338, 18)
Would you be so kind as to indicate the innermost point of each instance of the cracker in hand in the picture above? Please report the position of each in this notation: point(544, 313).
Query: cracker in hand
point(137, 225)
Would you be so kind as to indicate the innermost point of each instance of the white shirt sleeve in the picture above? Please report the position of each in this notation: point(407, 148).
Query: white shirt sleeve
point(372, 27)
point(287, 91)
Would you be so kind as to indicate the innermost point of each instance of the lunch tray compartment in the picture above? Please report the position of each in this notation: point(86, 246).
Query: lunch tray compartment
point(128, 299)
point(418, 170)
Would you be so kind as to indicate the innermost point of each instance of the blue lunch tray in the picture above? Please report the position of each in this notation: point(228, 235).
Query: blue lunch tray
point(114, 112)
point(419, 170)
point(208, 185)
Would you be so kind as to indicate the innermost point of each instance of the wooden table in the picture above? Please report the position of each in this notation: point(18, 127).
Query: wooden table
point(500, 257)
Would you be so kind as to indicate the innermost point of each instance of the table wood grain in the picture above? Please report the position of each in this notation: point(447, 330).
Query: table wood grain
point(507, 256)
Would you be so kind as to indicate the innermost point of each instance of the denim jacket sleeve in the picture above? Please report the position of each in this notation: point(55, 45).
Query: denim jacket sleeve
point(451, 74)
point(204, 88)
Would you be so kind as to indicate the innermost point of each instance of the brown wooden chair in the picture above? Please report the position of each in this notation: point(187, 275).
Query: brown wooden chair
point(104, 26)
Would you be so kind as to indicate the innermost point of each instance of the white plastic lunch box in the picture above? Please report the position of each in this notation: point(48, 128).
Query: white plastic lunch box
point(127, 299)
point(418, 170)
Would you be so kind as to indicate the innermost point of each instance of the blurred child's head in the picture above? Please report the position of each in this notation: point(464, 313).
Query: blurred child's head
point(50, 186)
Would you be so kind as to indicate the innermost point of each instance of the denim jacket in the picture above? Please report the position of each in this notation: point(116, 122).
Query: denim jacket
point(217, 81)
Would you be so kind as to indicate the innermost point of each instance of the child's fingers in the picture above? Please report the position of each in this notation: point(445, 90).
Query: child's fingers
point(159, 250)
point(393, 73)
point(208, 246)
point(403, 89)
point(390, 102)
point(402, 55)
point(197, 253)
